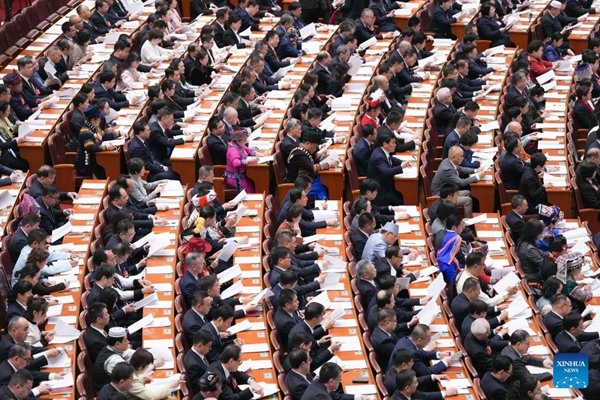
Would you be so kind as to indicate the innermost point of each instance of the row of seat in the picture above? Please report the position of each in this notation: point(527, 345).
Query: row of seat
point(33, 20)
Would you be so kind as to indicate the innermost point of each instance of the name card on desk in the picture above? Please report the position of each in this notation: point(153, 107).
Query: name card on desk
point(183, 152)
point(360, 389)
point(255, 347)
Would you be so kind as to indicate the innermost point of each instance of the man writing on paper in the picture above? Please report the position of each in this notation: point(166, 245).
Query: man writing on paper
point(226, 367)
point(420, 344)
point(475, 268)
point(51, 217)
point(517, 352)
point(38, 239)
point(480, 347)
point(210, 285)
point(450, 171)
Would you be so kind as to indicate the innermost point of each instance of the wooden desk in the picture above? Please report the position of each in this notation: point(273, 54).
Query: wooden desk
point(343, 298)
point(79, 244)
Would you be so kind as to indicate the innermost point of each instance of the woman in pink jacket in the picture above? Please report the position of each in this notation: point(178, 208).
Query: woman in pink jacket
point(238, 156)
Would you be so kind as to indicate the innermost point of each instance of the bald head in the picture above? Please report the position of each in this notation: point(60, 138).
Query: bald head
point(444, 96)
point(380, 81)
point(515, 128)
point(455, 155)
point(480, 328)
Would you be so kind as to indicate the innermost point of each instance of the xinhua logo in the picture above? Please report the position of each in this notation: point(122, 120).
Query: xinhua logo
point(570, 370)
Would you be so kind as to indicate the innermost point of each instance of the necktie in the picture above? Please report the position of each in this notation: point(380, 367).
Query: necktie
point(11, 151)
point(390, 160)
point(32, 86)
point(233, 382)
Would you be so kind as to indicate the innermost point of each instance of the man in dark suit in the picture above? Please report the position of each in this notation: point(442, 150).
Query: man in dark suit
point(95, 334)
point(271, 57)
point(226, 367)
point(121, 378)
point(383, 167)
point(383, 337)
point(515, 219)
point(551, 23)
point(402, 360)
point(363, 149)
point(245, 107)
point(300, 376)
point(511, 166)
point(222, 318)
point(138, 148)
point(117, 207)
point(17, 361)
point(78, 119)
point(194, 264)
point(359, 237)
point(219, 26)
point(195, 361)
point(287, 317)
point(162, 140)
point(415, 343)
point(517, 88)
point(196, 317)
point(104, 89)
point(561, 307)
point(365, 27)
point(517, 352)
point(323, 71)
point(568, 340)
point(367, 287)
point(246, 13)
point(311, 325)
point(33, 93)
point(460, 304)
point(22, 292)
point(18, 387)
point(406, 75)
point(293, 131)
point(51, 217)
point(98, 18)
point(480, 347)
point(392, 123)
point(442, 20)
point(406, 386)
point(494, 383)
point(443, 111)
point(327, 384)
point(16, 334)
point(29, 222)
point(453, 138)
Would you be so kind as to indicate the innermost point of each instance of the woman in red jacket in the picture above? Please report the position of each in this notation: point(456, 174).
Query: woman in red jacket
point(537, 65)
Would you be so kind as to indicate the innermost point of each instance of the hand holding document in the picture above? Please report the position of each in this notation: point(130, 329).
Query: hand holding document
point(508, 281)
point(64, 333)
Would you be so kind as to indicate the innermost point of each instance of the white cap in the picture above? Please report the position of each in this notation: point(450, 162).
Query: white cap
point(556, 4)
point(117, 332)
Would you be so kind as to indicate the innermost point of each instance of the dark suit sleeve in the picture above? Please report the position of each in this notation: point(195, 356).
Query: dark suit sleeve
point(589, 196)
point(383, 168)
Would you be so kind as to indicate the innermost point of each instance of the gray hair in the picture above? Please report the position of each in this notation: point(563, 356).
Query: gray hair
point(362, 266)
point(18, 350)
point(342, 49)
point(229, 111)
point(204, 171)
point(442, 93)
point(480, 326)
point(291, 124)
point(286, 19)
